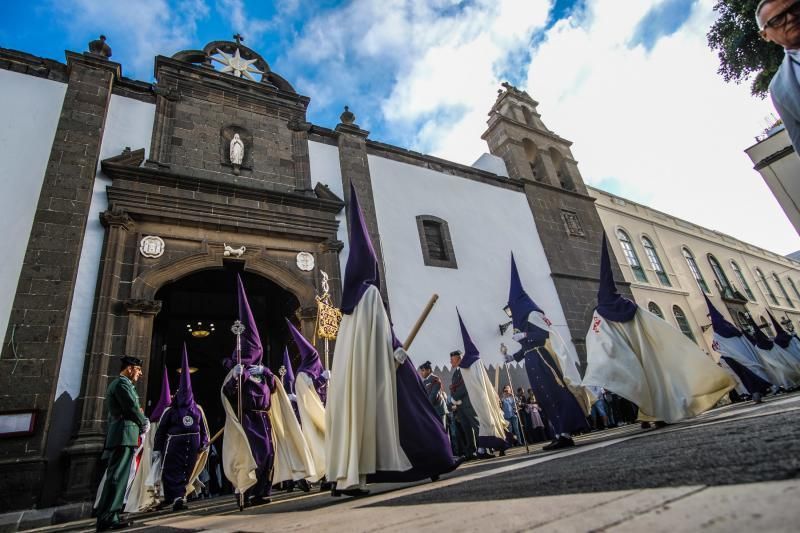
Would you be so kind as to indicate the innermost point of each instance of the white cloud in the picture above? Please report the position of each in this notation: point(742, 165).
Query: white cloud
point(137, 30)
point(662, 124)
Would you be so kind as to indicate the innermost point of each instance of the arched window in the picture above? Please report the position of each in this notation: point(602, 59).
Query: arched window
point(767, 289)
point(794, 287)
point(528, 116)
point(782, 289)
point(683, 324)
point(437, 246)
point(698, 277)
point(743, 282)
point(724, 285)
point(562, 170)
point(743, 320)
point(534, 160)
point(630, 255)
point(655, 262)
point(655, 309)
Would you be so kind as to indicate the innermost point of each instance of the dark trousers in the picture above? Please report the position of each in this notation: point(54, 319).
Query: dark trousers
point(469, 427)
point(112, 499)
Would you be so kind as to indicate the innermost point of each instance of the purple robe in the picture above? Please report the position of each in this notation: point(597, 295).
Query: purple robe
point(180, 436)
point(256, 394)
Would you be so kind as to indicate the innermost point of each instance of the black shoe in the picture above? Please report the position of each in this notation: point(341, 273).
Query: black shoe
point(122, 524)
point(178, 504)
point(485, 455)
point(259, 500)
point(325, 486)
point(502, 453)
point(561, 442)
point(645, 425)
point(552, 446)
point(304, 485)
point(660, 424)
point(355, 493)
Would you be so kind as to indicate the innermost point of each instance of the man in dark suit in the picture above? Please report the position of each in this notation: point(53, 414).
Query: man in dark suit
point(126, 422)
point(462, 408)
point(779, 22)
point(433, 390)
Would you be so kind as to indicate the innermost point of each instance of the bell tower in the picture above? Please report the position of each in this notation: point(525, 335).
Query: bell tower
point(566, 218)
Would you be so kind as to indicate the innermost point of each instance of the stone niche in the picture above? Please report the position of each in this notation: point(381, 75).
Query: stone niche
point(226, 134)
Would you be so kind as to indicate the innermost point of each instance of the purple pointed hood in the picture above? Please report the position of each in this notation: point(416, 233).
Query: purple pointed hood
point(520, 303)
point(252, 349)
point(288, 377)
point(471, 353)
point(721, 326)
point(164, 400)
point(362, 262)
point(761, 339)
point(611, 305)
point(782, 337)
point(309, 357)
point(184, 398)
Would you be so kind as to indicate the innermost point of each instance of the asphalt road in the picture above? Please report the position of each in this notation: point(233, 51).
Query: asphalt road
point(734, 445)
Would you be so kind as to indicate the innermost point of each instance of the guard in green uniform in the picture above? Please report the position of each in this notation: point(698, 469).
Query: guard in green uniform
point(126, 422)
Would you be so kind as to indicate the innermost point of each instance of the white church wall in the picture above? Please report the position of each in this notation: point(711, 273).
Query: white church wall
point(129, 124)
point(326, 169)
point(486, 224)
point(29, 111)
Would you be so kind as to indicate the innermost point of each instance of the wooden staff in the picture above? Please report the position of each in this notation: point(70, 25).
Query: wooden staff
point(420, 321)
point(217, 435)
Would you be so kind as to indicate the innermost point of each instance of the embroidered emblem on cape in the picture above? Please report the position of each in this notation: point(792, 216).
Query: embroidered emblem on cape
point(188, 421)
point(596, 325)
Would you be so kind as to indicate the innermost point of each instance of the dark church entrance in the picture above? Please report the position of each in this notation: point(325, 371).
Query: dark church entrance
point(199, 310)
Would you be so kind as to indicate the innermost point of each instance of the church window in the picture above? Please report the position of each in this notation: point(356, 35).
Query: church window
point(722, 280)
point(743, 282)
point(655, 261)
point(683, 323)
point(767, 289)
point(655, 309)
point(528, 116)
point(630, 255)
point(437, 246)
point(572, 223)
point(783, 290)
point(698, 276)
point(794, 287)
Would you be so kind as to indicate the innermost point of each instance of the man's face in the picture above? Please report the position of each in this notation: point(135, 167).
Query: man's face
point(455, 360)
point(133, 373)
point(424, 372)
point(779, 22)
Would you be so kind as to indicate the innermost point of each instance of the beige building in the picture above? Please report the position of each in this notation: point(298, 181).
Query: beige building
point(670, 262)
point(775, 159)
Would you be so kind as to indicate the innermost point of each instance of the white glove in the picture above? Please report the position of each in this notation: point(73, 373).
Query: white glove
point(508, 357)
point(146, 428)
point(326, 374)
point(256, 370)
point(519, 336)
point(293, 397)
point(400, 356)
point(156, 457)
point(238, 370)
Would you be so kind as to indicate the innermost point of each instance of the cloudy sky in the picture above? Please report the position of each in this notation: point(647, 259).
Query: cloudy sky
point(632, 83)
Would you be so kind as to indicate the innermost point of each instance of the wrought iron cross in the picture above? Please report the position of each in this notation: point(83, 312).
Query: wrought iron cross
point(238, 38)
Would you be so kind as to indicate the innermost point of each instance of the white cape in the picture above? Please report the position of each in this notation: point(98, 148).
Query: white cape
point(780, 366)
point(131, 476)
point(740, 350)
point(237, 458)
point(312, 421)
point(652, 364)
point(293, 460)
point(485, 401)
point(363, 435)
point(143, 494)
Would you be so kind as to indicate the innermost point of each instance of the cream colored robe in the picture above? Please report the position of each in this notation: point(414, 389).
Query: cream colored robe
point(293, 460)
point(237, 459)
point(312, 418)
point(652, 364)
point(485, 401)
point(361, 414)
point(780, 366)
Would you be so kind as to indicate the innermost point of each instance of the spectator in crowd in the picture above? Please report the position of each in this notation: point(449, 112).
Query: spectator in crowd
point(509, 405)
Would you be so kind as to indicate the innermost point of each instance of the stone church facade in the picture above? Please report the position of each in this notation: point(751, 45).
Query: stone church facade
point(128, 215)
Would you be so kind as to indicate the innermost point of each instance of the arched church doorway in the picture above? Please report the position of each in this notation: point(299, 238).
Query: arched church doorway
point(205, 301)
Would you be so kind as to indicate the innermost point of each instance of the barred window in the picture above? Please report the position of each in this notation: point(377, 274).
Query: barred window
point(783, 290)
point(724, 285)
point(698, 276)
point(743, 282)
point(630, 255)
point(655, 309)
point(437, 246)
point(683, 323)
point(767, 289)
point(655, 262)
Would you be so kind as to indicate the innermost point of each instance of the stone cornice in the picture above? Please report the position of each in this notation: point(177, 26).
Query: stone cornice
point(165, 180)
point(561, 190)
point(145, 307)
point(93, 61)
point(502, 118)
point(117, 218)
point(780, 154)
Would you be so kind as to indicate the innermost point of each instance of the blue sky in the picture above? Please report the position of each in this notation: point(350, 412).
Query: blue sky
point(628, 81)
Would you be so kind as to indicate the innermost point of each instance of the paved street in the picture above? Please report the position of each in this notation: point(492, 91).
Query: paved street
point(732, 469)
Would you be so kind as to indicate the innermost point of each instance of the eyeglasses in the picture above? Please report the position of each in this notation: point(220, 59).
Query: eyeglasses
point(779, 20)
